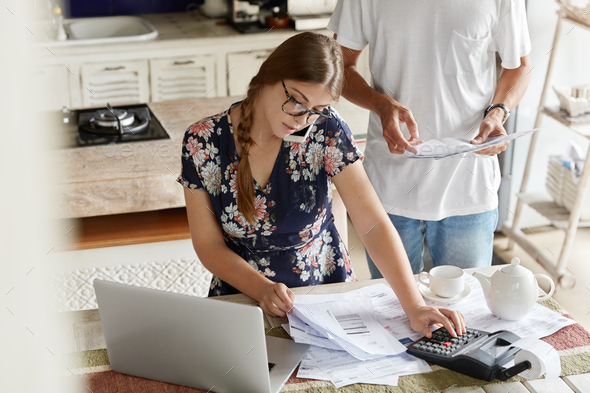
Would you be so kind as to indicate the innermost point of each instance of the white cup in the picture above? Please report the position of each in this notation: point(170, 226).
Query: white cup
point(444, 281)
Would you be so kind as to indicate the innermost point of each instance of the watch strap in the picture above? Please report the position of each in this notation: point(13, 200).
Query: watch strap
point(501, 106)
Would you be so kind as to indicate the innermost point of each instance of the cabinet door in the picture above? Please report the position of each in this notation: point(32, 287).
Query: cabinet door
point(117, 82)
point(182, 77)
point(49, 87)
point(241, 68)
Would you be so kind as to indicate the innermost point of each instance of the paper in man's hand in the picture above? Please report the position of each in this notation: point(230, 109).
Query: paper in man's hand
point(447, 147)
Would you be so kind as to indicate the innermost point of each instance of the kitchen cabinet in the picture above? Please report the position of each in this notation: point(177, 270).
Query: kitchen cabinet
point(182, 77)
point(242, 66)
point(115, 82)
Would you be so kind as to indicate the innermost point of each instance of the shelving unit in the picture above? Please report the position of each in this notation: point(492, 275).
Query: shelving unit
point(542, 202)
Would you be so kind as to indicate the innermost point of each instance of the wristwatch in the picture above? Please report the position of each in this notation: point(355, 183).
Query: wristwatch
point(501, 106)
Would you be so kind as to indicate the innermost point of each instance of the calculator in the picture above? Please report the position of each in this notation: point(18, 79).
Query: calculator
point(476, 353)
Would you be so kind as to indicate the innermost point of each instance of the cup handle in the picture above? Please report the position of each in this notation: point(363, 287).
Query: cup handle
point(546, 277)
point(426, 281)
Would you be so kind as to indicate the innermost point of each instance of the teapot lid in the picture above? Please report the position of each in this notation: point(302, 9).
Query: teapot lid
point(514, 269)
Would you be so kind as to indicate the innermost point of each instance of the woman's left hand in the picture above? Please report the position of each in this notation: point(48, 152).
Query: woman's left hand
point(423, 316)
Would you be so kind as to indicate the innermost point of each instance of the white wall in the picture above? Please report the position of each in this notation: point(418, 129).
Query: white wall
point(572, 66)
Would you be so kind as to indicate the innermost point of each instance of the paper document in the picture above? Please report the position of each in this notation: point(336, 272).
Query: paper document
point(389, 313)
point(447, 147)
point(342, 369)
point(346, 319)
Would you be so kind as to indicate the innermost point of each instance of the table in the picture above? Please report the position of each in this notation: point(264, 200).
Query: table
point(82, 347)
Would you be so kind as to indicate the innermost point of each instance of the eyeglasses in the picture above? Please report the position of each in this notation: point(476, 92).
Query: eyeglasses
point(294, 108)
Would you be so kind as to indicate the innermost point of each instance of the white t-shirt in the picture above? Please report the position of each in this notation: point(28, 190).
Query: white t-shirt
point(438, 59)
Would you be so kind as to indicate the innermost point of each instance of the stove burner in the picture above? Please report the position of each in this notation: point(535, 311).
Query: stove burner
point(108, 118)
point(114, 121)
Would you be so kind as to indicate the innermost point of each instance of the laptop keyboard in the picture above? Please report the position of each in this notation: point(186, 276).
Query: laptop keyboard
point(270, 366)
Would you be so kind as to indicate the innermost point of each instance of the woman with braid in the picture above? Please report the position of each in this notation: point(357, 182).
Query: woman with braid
point(260, 208)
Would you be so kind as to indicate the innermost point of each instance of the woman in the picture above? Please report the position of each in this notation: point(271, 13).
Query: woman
point(259, 208)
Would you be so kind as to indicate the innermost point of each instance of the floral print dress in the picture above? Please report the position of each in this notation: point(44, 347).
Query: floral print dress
point(295, 241)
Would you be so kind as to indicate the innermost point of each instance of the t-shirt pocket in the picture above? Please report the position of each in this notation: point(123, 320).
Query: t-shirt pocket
point(466, 56)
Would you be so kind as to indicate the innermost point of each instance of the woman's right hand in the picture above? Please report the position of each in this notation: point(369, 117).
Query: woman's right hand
point(276, 299)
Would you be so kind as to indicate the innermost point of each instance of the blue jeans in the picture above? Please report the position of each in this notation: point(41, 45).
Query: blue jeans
point(463, 241)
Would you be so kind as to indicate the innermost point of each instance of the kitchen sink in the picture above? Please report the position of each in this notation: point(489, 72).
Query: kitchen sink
point(108, 29)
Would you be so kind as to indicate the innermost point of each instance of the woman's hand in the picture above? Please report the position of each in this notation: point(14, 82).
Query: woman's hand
point(423, 316)
point(276, 299)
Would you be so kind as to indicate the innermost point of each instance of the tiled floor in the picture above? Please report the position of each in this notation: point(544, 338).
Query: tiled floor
point(576, 300)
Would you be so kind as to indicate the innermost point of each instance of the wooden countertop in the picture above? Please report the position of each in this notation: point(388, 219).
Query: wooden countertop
point(133, 177)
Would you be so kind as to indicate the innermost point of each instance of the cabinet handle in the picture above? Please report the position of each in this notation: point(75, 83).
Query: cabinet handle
point(185, 62)
point(114, 68)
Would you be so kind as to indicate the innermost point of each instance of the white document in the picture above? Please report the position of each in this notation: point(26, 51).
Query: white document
point(447, 147)
point(343, 369)
point(309, 369)
point(302, 333)
point(346, 319)
point(389, 313)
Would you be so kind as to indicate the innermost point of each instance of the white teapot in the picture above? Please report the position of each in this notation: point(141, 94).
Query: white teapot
point(512, 291)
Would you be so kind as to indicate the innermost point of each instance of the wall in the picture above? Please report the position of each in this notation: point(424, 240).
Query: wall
point(571, 67)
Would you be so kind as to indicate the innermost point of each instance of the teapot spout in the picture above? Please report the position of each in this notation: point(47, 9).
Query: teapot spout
point(485, 281)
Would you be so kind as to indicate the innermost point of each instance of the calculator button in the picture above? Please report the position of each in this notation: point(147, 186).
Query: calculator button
point(447, 344)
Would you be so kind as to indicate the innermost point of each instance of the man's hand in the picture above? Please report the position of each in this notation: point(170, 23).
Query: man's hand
point(392, 113)
point(491, 126)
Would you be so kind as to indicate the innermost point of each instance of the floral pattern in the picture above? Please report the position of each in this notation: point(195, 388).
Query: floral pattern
point(294, 240)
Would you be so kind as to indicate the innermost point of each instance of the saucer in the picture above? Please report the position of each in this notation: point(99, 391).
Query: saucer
point(428, 294)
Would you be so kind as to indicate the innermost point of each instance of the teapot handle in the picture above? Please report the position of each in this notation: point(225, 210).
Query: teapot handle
point(546, 277)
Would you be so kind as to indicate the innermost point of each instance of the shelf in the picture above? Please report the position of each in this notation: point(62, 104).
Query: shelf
point(544, 205)
point(556, 114)
point(574, 21)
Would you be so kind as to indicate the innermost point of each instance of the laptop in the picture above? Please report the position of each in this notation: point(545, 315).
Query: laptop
point(212, 345)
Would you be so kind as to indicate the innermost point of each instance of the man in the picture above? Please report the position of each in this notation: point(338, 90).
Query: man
point(433, 69)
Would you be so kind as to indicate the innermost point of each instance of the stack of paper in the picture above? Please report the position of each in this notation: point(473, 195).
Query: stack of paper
point(349, 342)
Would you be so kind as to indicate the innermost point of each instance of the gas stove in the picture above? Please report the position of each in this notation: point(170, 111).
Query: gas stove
point(119, 124)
